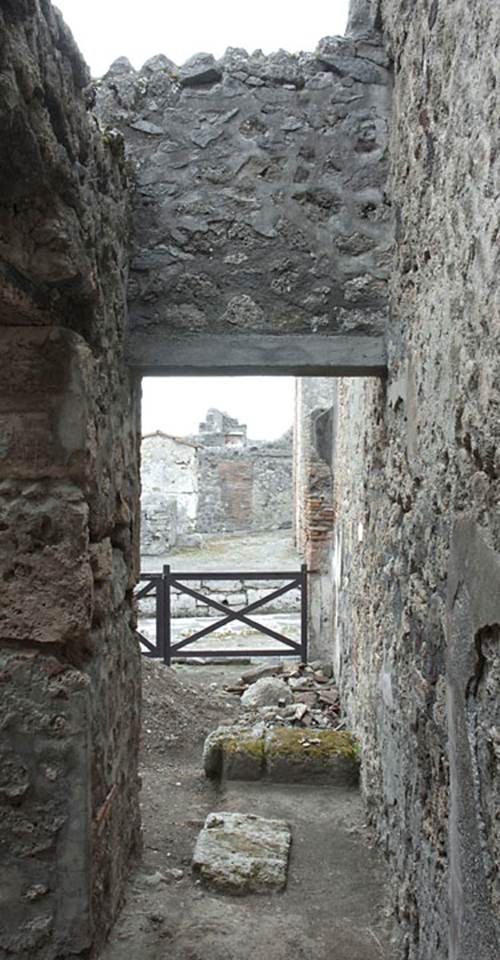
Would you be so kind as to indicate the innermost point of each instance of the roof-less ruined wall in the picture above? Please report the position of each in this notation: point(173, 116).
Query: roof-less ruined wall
point(418, 531)
point(169, 493)
point(260, 206)
point(246, 487)
point(69, 818)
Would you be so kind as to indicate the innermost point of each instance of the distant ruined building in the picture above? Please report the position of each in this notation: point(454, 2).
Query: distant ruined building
point(216, 482)
point(330, 215)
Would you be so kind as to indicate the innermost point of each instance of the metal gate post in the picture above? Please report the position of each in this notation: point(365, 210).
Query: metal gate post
point(160, 617)
point(167, 638)
point(303, 613)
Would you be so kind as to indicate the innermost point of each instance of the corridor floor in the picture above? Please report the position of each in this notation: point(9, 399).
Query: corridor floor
point(335, 903)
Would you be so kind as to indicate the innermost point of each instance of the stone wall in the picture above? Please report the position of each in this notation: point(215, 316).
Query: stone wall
point(417, 488)
point(245, 488)
point(169, 499)
point(260, 206)
point(313, 499)
point(416, 465)
point(69, 664)
point(215, 482)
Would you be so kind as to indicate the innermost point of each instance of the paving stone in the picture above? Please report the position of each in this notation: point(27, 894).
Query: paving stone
point(240, 853)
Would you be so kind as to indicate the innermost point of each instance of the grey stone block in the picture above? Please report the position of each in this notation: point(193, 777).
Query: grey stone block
point(239, 853)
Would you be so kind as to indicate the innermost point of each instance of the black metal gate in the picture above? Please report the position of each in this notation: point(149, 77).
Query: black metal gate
point(160, 586)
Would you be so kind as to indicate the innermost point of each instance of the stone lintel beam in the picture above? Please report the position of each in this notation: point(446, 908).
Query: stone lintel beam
point(296, 355)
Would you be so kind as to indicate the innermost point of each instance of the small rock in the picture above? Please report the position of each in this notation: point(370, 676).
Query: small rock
point(320, 677)
point(36, 891)
point(153, 879)
point(307, 696)
point(300, 711)
point(199, 70)
point(174, 874)
point(300, 683)
point(328, 696)
point(266, 692)
point(145, 126)
point(293, 670)
point(323, 665)
point(265, 670)
point(158, 63)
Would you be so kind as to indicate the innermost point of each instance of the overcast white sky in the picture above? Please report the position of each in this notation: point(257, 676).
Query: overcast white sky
point(178, 404)
point(139, 29)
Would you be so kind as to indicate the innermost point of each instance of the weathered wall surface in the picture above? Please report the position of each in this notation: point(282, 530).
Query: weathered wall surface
point(69, 666)
point(312, 456)
point(260, 205)
point(169, 498)
point(313, 499)
point(245, 488)
point(417, 475)
point(213, 483)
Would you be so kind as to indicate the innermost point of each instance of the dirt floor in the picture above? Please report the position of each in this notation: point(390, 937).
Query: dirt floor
point(334, 906)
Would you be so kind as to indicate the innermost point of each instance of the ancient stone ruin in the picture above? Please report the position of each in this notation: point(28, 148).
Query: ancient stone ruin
point(332, 215)
point(214, 482)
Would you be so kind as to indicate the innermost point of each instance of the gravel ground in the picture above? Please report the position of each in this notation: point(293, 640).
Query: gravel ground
point(247, 551)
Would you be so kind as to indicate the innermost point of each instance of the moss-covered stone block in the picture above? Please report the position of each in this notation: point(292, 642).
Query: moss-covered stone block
point(235, 753)
point(311, 756)
point(283, 754)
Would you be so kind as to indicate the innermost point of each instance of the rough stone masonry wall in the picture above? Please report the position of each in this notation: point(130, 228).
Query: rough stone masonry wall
point(245, 488)
point(260, 205)
point(69, 669)
point(417, 471)
point(169, 492)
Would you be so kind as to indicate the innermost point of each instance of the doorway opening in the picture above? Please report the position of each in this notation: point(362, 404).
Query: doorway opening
point(218, 539)
point(241, 712)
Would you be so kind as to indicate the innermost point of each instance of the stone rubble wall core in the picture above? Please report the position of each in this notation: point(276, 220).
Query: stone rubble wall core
point(417, 530)
point(69, 483)
point(260, 205)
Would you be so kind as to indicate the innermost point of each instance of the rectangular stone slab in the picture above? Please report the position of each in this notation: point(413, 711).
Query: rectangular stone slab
point(239, 853)
point(239, 354)
point(282, 755)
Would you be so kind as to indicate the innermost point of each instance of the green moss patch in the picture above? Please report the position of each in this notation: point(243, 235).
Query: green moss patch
point(244, 743)
point(318, 745)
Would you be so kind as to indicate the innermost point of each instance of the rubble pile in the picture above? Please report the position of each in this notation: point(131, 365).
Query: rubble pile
point(290, 694)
